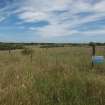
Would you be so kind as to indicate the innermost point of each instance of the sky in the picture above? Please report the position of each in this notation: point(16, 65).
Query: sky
point(76, 21)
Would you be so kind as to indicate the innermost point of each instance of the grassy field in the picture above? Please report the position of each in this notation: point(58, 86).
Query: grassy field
point(56, 76)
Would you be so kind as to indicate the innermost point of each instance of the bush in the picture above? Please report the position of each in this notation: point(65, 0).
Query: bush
point(28, 51)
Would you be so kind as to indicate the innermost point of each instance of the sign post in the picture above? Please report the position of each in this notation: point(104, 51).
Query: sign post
point(96, 59)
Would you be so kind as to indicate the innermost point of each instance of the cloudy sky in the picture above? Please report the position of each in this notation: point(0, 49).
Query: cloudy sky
point(52, 20)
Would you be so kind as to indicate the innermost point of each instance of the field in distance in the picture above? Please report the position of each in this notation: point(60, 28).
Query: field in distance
point(52, 76)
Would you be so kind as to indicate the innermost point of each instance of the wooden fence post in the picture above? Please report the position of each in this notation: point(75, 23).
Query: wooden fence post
point(93, 53)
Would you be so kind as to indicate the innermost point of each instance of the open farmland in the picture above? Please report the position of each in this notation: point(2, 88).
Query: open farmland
point(55, 76)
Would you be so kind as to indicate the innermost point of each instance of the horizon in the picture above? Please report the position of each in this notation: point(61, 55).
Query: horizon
point(51, 43)
point(57, 21)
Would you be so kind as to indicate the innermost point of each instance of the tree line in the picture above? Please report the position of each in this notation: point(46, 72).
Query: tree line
point(13, 46)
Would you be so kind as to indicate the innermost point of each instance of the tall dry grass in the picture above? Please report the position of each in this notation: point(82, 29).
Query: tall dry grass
point(56, 76)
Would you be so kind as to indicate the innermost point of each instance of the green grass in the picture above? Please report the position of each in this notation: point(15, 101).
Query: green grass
point(56, 76)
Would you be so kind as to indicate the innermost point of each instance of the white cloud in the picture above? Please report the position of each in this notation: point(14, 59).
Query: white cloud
point(100, 6)
point(46, 5)
point(32, 16)
point(32, 28)
point(97, 32)
point(59, 31)
point(93, 32)
point(53, 30)
point(2, 19)
point(65, 23)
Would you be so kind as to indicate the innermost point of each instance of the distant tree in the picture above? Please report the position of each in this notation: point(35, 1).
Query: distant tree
point(92, 44)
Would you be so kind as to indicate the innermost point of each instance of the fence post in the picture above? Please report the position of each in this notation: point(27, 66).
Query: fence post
point(93, 53)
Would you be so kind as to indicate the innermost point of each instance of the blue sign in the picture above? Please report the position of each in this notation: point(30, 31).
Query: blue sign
point(98, 59)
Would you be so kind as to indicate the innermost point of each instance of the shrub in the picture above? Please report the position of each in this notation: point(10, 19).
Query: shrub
point(28, 51)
